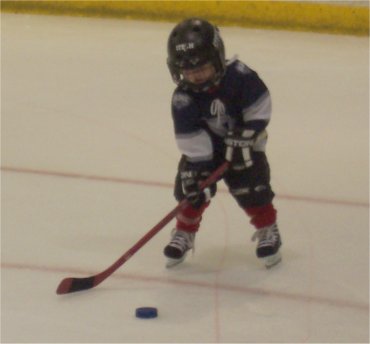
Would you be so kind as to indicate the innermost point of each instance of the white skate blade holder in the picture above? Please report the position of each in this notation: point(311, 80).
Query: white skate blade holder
point(272, 260)
point(173, 262)
point(269, 261)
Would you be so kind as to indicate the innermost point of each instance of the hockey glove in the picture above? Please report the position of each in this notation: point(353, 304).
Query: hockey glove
point(191, 180)
point(239, 143)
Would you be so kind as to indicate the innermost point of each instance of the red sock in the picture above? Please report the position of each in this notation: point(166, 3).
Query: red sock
point(262, 216)
point(189, 218)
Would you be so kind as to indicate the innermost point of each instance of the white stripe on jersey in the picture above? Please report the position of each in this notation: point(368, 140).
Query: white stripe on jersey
point(196, 146)
point(259, 110)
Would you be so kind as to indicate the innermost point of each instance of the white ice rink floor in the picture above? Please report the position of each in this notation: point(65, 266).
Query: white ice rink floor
point(88, 163)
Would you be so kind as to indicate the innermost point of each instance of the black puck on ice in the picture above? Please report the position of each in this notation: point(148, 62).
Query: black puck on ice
point(146, 312)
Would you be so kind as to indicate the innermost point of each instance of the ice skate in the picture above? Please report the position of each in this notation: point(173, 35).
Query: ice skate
point(176, 250)
point(268, 245)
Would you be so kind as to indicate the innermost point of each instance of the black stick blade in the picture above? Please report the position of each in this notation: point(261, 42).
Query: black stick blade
point(72, 284)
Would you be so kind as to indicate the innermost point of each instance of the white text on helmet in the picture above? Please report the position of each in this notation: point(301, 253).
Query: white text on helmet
point(184, 46)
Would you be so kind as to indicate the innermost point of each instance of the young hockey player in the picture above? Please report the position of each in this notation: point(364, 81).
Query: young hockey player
point(220, 111)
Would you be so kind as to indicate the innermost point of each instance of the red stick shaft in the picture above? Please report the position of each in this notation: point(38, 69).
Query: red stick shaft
point(168, 218)
point(72, 284)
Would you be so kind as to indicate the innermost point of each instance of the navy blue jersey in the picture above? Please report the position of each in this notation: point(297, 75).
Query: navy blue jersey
point(201, 119)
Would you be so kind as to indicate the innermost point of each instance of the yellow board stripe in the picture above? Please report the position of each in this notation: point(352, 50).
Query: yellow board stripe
point(301, 16)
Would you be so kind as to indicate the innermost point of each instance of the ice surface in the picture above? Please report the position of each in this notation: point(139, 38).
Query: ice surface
point(88, 163)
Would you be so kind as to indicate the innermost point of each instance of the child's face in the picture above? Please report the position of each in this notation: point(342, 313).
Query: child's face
point(200, 75)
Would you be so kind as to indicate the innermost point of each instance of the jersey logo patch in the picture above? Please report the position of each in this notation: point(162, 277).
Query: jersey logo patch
point(180, 100)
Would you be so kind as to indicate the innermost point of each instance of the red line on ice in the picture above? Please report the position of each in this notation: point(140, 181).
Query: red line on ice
point(322, 300)
point(170, 185)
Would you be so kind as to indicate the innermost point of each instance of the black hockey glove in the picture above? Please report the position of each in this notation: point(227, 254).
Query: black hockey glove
point(239, 143)
point(191, 180)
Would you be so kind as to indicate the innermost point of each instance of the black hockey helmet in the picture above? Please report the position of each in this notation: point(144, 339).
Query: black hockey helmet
point(192, 43)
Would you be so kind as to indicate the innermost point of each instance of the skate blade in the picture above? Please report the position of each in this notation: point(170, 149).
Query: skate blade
point(273, 260)
point(173, 262)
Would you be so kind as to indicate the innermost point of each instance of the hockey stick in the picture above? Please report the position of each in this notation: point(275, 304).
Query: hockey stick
point(73, 284)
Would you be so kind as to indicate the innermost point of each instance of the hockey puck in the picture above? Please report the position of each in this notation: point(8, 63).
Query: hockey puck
point(146, 312)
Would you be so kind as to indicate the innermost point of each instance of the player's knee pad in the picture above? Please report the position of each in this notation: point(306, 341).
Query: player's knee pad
point(251, 186)
point(249, 196)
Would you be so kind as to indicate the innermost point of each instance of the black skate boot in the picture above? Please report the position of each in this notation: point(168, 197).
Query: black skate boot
point(268, 245)
point(180, 243)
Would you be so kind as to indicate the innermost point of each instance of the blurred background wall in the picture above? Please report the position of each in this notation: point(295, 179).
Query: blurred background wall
point(338, 17)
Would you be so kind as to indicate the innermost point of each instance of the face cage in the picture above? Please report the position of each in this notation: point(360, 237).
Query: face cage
point(186, 85)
